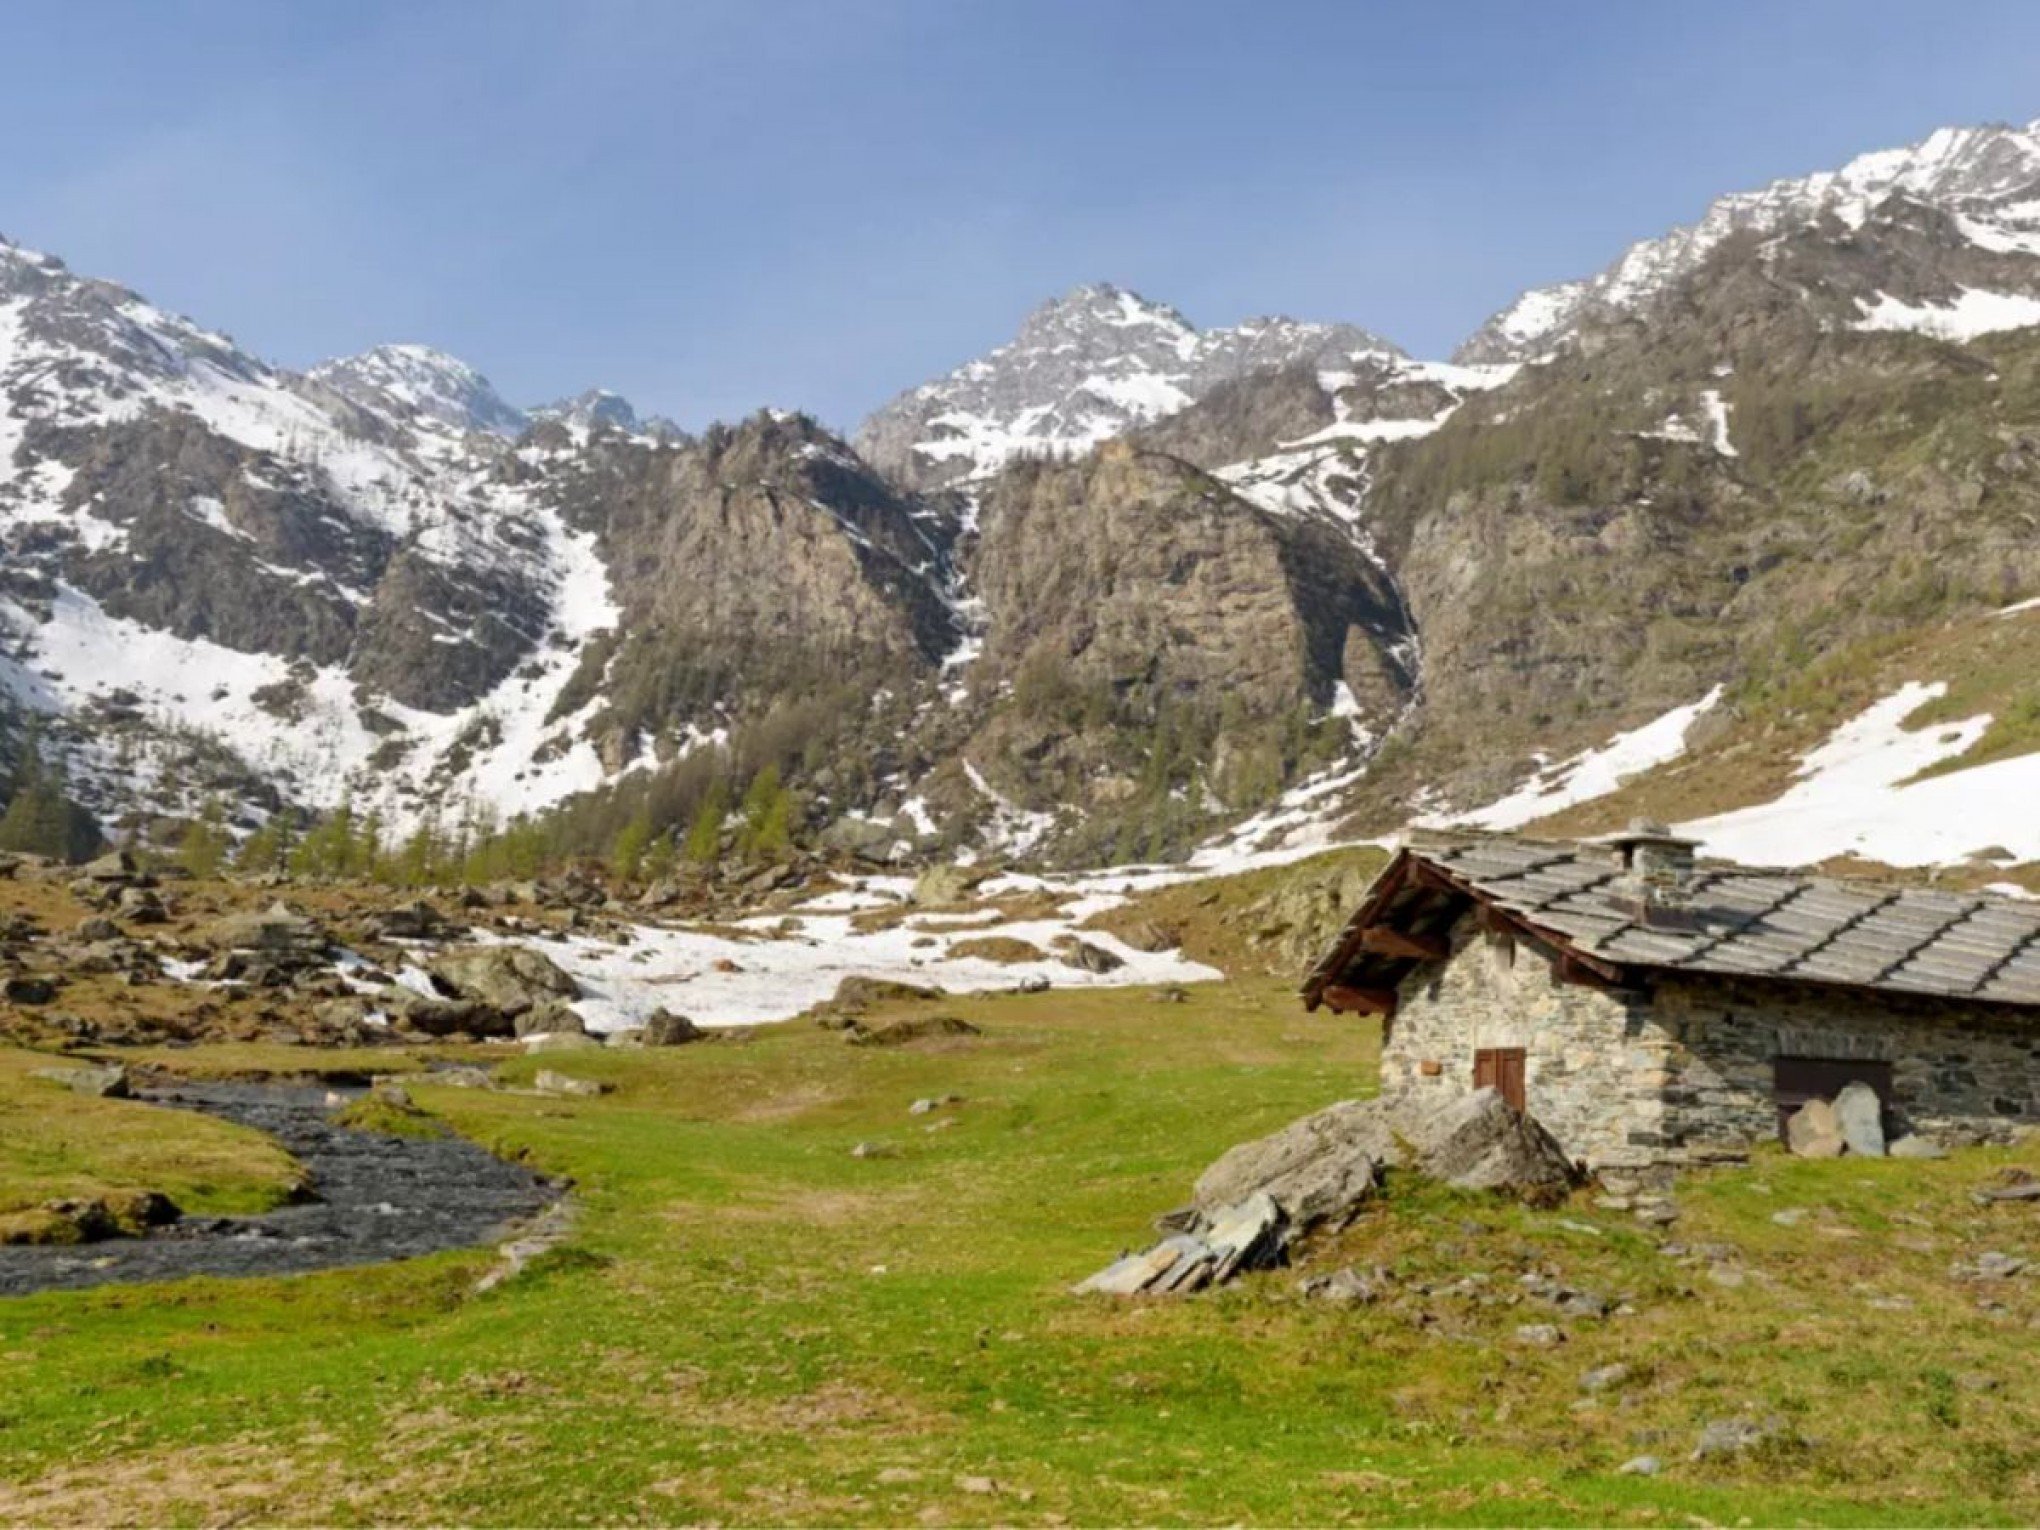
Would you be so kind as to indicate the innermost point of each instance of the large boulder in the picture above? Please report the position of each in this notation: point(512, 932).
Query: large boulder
point(912, 1029)
point(450, 1017)
point(510, 978)
point(1319, 1170)
point(552, 1018)
point(1813, 1132)
point(1859, 1115)
point(1086, 957)
point(278, 929)
point(1479, 1141)
point(662, 1028)
point(1322, 1168)
point(858, 993)
point(944, 886)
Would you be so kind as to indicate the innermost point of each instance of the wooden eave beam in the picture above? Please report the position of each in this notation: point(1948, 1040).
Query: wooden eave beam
point(1360, 1001)
point(1386, 940)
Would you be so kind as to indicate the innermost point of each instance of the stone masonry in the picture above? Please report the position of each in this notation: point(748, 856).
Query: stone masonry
point(1682, 1071)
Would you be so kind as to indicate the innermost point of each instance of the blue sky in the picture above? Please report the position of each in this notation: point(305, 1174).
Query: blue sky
point(715, 206)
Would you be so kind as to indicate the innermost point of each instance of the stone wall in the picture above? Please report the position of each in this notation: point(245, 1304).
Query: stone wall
point(1684, 1073)
point(1593, 1069)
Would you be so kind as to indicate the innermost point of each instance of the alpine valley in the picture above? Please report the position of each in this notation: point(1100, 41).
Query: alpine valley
point(1750, 513)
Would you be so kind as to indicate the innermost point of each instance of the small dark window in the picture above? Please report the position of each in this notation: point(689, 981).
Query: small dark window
point(1500, 1069)
point(1795, 1080)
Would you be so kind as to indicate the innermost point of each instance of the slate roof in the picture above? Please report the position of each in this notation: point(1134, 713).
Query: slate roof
point(1738, 922)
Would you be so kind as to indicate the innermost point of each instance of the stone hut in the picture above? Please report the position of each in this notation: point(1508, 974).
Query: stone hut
point(1649, 1010)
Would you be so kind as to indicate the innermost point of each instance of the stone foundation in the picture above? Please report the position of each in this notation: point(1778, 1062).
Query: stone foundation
point(1683, 1073)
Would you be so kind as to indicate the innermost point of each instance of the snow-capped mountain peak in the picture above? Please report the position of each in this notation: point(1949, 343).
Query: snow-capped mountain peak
point(419, 382)
point(1082, 368)
point(594, 407)
point(1987, 178)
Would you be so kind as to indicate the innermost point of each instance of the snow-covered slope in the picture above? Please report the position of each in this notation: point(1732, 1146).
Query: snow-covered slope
point(1084, 368)
point(417, 381)
point(1986, 178)
point(320, 586)
point(1375, 397)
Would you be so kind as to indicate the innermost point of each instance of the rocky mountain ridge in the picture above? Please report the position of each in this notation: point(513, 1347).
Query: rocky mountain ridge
point(1986, 178)
point(1111, 588)
point(1083, 368)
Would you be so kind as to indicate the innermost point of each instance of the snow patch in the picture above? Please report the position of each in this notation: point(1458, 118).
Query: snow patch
point(1855, 796)
point(1587, 775)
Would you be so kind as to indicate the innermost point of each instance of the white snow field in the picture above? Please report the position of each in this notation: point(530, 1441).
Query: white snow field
point(778, 975)
point(1585, 776)
point(1855, 796)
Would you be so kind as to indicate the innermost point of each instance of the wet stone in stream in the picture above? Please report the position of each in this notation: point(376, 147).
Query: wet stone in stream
point(378, 1198)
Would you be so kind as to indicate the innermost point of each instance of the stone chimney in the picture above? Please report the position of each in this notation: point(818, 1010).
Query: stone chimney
point(1656, 885)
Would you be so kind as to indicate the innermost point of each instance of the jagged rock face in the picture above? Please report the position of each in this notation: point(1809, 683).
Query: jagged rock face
point(1084, 368)
point(763, 557)
point(1130, 592)
point(1985, 178)
point(1721, 489)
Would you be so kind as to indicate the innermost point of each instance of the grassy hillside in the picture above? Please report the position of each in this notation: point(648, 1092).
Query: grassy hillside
point(751, 1325)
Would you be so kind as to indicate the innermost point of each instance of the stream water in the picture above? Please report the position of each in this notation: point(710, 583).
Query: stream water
point(378, 1198)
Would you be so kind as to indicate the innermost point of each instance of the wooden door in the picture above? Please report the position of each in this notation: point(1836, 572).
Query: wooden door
point(1500, 1069)
point(1795, 1080)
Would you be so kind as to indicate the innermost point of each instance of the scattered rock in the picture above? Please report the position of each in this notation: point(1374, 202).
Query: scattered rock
point(550, 1082)
point(551, 1018)
point(107, 1083)
point(874, 1150)
point(1814, 1132)
point(1036, 983)
point(1859, 1116)
point(561, 1041)
point(1738, 1436)
point(1640, 1466)
point(1605, 1378)
point(911, 1029)
point(1086, 957)
point(1345, 1287)
point(114, 866)
point(933, 1103)
point(1540, 1335)
point(1991, 1265)
point(1913, 1145)
point(1146, 935)
point(662, 1028)
point(1004, 949)
point(27, 988)
point(449, 1017)
point(408, 921)
point(141, 905)
point(98, 927)
point(278, 929)
point(857, 993)
point(1170, 993)
point(945, 886)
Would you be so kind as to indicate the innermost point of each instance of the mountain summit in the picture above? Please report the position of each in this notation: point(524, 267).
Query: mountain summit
point(1083, 368)
point(1986, 178)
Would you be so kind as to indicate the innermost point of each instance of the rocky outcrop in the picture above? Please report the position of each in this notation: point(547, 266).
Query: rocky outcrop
point(1318, 1173)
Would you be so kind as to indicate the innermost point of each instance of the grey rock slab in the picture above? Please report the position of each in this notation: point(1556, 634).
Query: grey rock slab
point(1859, 1116)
